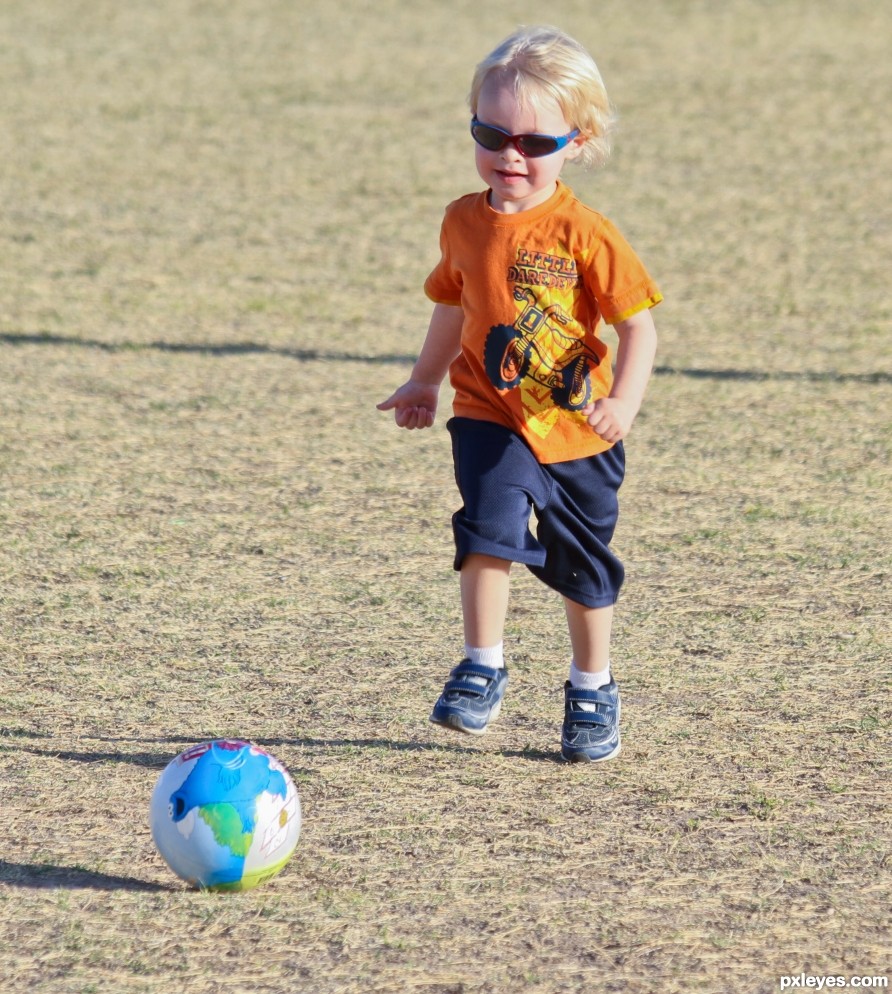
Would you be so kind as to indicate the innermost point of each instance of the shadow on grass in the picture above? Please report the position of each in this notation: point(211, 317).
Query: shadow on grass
point(197, 348)
point(399, 359)
point(777, 375)
point(158, 760)
point(53, 877)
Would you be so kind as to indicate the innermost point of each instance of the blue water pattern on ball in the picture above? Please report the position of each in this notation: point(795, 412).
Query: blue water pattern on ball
point(229, 774)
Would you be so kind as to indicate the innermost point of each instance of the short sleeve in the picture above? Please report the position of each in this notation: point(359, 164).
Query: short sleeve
point(444, 285)
point(617, 278)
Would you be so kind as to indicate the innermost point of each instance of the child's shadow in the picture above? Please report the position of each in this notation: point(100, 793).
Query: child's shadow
point(159, 759)
point(398, 745)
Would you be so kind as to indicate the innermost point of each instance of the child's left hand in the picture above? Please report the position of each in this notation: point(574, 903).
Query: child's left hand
point(610, 417)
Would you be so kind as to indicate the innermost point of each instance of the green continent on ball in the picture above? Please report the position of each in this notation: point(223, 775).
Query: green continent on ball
point(226, 824)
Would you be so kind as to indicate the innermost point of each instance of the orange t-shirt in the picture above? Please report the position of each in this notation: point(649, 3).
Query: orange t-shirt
point(534, 288)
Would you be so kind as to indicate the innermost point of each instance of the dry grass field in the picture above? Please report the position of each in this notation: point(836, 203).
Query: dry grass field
point(216, 221)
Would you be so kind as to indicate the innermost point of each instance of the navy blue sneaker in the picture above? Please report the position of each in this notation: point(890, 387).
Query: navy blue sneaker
point(590, 736)
point(469, 705)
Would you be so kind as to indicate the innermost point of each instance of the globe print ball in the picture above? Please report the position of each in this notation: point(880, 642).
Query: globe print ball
point(225, 815)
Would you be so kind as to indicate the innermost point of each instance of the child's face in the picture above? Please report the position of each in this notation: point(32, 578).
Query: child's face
point(518, 182)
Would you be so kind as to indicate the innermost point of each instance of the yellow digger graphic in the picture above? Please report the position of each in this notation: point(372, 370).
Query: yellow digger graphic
point(545, 345)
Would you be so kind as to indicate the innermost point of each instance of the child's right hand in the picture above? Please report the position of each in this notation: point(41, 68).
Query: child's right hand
point(414, 404)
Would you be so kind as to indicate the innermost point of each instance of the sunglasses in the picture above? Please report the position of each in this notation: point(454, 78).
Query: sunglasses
point(530, 146)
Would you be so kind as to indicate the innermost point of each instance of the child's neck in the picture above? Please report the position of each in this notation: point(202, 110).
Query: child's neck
point(502, 206)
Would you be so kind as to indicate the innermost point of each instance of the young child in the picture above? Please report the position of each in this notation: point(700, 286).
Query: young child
point(526, 275)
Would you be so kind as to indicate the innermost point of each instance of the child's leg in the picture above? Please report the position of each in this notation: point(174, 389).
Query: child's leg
point(591, 698)
point(589, 636)
point(484, 599)
point(472, 696)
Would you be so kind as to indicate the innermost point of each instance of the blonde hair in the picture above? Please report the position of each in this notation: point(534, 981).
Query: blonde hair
point(543, 61)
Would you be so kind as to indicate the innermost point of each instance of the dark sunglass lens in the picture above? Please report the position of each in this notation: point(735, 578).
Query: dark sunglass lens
point(537, 145)
point(489, 138)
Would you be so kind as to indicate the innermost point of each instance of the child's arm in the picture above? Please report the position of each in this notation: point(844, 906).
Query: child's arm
point(415, 403)
point(612, 417)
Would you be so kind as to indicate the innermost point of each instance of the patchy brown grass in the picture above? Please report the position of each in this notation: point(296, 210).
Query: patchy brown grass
point(213, 248)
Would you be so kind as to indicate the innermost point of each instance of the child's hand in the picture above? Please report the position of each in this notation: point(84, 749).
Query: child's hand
point(414, 404)
point(610, 417)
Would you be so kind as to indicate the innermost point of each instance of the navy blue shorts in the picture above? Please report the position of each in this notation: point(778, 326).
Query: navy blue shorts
point(576, 505)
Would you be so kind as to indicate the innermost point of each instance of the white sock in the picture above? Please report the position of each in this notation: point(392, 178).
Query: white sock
point(492, 656)
point(588, 681)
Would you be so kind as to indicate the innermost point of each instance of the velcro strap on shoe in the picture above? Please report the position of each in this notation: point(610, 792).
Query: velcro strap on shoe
point(589, 718)
point(464, 687)
point(577, 695)
point(467, 668)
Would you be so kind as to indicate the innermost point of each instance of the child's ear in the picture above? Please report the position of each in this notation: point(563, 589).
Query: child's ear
point(575, 146)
